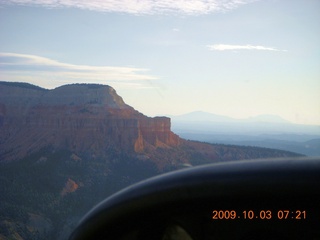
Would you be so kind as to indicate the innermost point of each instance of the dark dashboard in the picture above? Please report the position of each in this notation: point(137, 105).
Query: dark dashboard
point(267, 199)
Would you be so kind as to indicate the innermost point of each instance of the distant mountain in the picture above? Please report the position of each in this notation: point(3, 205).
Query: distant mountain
point(64, 150)
point(267, 131)
point(202, 122)
point(203, 117)
point(267, 119)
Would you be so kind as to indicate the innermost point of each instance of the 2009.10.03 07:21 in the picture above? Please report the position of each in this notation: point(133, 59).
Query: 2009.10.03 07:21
point(262, 214)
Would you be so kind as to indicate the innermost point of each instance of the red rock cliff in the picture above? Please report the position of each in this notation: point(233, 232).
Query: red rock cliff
point(157, 132)
point(80, 117)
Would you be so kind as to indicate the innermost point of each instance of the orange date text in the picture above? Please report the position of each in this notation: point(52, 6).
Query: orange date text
point(265, 214)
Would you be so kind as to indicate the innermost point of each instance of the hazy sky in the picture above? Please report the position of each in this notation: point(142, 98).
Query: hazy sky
point(238, 58)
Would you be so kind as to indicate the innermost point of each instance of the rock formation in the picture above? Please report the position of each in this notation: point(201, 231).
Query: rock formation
point(86, 118)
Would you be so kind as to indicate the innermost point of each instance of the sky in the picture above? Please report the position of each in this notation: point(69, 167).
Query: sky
point(237, 58)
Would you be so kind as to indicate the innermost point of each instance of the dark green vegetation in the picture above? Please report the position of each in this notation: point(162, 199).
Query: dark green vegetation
point(33, 188)
point(44, 195)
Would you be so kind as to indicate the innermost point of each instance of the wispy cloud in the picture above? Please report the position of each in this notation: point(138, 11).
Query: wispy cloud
point(225, 47)
point(141, 6)
point(18, 67)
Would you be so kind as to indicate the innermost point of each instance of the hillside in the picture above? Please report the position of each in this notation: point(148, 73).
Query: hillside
point(64, 150)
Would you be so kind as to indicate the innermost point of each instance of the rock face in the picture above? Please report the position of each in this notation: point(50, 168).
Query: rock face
point(86, 118)
point(71, 186)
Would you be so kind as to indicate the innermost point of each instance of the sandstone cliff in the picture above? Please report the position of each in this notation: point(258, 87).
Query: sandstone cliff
point(85, 118)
